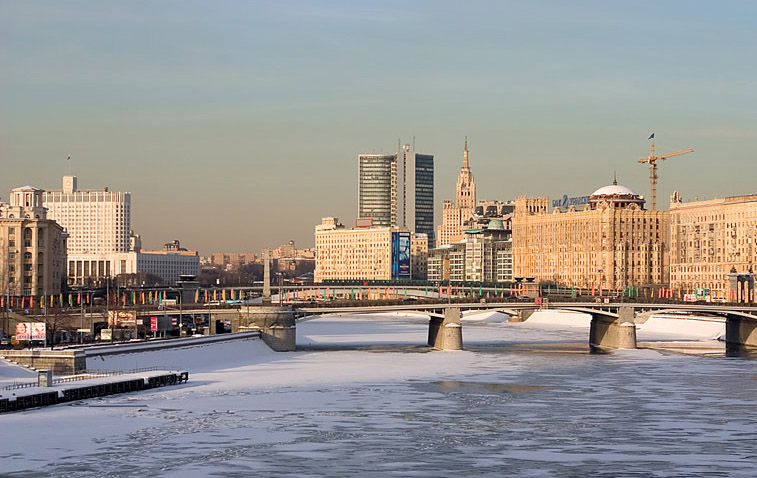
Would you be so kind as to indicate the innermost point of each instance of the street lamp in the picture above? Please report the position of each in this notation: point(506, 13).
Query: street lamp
point(12, 255)
point(281, 281)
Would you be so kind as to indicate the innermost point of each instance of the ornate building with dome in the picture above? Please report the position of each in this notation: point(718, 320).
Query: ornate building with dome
point(610, 243)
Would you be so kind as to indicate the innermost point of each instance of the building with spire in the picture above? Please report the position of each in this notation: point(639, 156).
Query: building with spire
point(456, 214)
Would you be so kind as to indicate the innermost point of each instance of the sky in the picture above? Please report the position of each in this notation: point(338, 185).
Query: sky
point(236, 125)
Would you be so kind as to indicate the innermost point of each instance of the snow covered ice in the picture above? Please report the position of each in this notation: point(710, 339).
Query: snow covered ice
point(365, 396)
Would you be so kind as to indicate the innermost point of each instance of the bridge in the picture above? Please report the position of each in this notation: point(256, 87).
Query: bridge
point(612, 325)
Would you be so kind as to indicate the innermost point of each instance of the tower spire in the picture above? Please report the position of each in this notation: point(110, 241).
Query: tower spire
point(615, 178)
point(465, 155)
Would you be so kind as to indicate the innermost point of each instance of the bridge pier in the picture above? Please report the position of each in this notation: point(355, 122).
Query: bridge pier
point(446, 333)
point(740, 330)
point(611, 332)
point(522, 316)
point(277, 326)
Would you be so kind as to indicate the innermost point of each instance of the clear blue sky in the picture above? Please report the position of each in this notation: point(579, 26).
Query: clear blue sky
point(237, 125)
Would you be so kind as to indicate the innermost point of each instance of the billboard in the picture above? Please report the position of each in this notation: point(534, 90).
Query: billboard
point(400, 255)
point(122, 317)
point(31, 331)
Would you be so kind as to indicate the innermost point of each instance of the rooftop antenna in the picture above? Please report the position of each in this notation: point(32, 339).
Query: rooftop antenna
point(615, 178)
point(413, 144)
point(68, 160)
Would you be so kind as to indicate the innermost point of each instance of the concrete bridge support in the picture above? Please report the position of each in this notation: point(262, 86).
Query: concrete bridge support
point(446, 333)
point(610, 332)
point(740, 330)
point(277, 326)
point(522, 316)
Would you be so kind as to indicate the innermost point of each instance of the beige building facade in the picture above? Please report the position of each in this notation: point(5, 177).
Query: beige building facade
point(709, 240)
point(367, 253)
point(483, 255)
point(32, 247)
point(612, 243)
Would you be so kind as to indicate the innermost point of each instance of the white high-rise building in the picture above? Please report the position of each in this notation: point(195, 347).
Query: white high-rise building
point(97, 221)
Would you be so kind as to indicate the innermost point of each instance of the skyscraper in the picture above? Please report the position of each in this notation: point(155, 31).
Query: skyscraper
point(398, 190)
point(377, 189)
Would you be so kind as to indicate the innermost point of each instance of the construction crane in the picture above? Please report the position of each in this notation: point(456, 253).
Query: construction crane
point(652, 160)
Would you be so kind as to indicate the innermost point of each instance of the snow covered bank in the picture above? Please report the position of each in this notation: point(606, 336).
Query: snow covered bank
point(486, 316)
point(666, 326)
point(560, 317)
point(10, 373)
point(205, 356)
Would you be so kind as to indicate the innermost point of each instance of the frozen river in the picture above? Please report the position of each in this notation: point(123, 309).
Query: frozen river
point(509, 405)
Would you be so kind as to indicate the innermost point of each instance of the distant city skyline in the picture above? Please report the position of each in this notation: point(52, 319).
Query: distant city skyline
point(237, 125)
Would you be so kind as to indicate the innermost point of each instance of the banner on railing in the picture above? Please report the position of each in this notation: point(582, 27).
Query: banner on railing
point(31, 331)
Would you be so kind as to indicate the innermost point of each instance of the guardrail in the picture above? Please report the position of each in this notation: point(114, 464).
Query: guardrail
point(86, 375)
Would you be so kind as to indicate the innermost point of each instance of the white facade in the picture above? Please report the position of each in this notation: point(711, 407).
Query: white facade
point(97, 221)
point(166, 265)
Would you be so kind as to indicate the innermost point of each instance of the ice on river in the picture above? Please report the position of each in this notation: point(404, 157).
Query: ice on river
point(365, 396)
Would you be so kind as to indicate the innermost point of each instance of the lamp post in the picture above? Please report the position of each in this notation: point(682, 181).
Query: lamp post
point(12, 255)
point(622, 280)
point(601, 280)
point(281, 281)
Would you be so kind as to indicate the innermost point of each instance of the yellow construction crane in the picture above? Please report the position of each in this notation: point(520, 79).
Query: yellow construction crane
point(652, 160)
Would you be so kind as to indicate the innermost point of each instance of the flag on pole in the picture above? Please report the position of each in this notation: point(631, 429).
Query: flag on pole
point(651, 136)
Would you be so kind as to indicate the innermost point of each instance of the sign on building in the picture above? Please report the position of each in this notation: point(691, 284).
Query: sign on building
point(400, 255)
point(566, 201)
point(122, 318)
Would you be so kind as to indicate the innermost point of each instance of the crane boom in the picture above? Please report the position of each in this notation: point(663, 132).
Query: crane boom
point(652, 160)
point(676, 153)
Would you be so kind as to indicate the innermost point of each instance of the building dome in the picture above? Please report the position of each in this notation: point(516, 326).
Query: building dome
point(495, 225)
point(616, 196)
point(614, 190)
